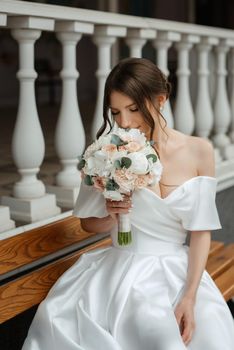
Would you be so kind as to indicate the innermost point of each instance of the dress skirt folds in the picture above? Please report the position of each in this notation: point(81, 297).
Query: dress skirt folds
point(123, 297)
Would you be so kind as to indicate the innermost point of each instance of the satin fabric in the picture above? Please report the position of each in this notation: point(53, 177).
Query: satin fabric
point(123, 298)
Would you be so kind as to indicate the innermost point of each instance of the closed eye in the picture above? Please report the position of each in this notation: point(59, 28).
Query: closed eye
point(114, 113)
point(131, 110)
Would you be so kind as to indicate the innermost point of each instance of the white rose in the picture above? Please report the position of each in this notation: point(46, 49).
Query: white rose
point(132, 135)
point(101, 155)
point(139, 164)
point(96, 166)
point(148, 150)
point(113, 195)
point(138, 136)
point(156, 171)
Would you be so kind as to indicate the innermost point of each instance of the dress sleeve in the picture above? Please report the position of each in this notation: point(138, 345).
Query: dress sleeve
point(90, 203)
point(199, 211)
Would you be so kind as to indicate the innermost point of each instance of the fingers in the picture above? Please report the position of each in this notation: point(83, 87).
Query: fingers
point(119, 207)
point(188, 329)
point(179, 317)
point(186, 326)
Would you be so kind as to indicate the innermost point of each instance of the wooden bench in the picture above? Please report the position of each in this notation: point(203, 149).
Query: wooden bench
point(31, 262)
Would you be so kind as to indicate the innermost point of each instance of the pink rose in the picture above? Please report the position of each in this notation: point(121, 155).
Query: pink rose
point(123, 148)
point(142, 181)
point(98, 183)
point(133, 146)
point(125, 180)
point(110, 148)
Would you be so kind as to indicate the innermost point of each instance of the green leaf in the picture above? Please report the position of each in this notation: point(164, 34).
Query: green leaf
point(117, 164)
point(153, 156)
point(81, 164)
point(88, 180)
point(111, 185)
point(126, 162)
point(116, 140)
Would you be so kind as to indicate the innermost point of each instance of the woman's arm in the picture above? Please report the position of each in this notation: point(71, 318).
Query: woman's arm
point(198, 251)
point(98, 225)
point(105, 224)
point(199, 240)
point(198, 254)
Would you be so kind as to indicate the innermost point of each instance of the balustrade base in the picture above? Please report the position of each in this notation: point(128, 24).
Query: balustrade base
point(218, 157)
point(66, 197)
point(32, 210)
point(6, 222)
point(228, 151)
point(225, 174)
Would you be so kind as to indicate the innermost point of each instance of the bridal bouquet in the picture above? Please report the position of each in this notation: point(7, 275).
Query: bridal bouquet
point(117, 164)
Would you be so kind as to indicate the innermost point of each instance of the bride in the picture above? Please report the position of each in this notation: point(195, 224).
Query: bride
point(155, 292)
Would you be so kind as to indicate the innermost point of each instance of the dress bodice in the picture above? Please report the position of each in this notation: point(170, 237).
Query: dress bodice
point(191, 206)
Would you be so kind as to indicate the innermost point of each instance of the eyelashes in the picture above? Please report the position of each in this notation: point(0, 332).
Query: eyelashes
point(131, 110)
point(114, 113)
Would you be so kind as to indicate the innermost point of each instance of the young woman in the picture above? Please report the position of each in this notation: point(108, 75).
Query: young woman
point(153, 293)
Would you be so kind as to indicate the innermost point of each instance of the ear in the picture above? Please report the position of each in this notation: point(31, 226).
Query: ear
point(161, 99)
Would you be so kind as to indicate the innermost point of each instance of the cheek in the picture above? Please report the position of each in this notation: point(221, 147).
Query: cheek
point(142, 123)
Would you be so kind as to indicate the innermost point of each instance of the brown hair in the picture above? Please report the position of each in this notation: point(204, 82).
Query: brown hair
point(139, 79)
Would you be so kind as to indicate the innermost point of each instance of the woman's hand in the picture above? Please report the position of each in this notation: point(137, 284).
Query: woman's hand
point(184, 313)
point(119, 207)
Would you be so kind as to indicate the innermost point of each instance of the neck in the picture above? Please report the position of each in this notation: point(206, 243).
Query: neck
point(160, 136)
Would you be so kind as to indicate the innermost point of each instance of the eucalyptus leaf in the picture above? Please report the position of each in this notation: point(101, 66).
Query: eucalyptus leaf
point(153, 156)
point(125, 162)
point(111, 185)
point(117, 164)
point(88, 180)
point(116, 140)
point(81, 164)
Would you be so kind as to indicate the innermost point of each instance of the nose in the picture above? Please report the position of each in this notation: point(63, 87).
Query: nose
point(124, 121)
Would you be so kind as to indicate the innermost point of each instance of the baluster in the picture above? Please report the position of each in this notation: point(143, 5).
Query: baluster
point(203, 110)
point(222, 111)
point(104, 38)
point(137, 38)
point(161, 44)
point(29, 202)
point(5, 222)
point(232, 96)
point(69, 133)
point(3, 19)
point(204, 117)
point(184, 116)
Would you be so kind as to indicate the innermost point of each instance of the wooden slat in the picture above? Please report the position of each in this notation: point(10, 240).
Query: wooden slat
point(219, 263)
point(225, 283)
point(29, 290)
point(30, 246)
point(215, 247)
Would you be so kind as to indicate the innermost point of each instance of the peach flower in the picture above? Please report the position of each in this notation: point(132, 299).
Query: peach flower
point(133, 146)
point(125, 179)
point(110, 148)
point(123, 148)
point(98, 183)
point(141, 181)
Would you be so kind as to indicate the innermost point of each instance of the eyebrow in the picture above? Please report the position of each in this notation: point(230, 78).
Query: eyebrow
point(125, 106)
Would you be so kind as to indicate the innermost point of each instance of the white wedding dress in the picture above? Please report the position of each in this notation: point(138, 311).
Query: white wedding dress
point(123, 297)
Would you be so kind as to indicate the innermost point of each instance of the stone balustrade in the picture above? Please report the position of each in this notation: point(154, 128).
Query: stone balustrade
point(208, 113)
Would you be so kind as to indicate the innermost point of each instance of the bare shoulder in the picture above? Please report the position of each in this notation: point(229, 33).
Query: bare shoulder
point(203, 152)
